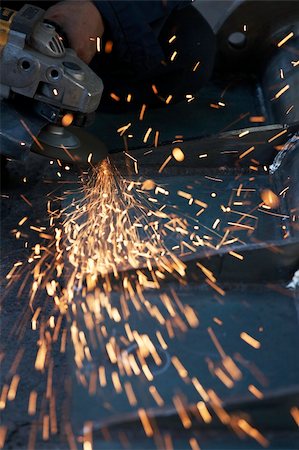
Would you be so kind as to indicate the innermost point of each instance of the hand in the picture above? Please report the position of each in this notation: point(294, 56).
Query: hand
point(80, 20)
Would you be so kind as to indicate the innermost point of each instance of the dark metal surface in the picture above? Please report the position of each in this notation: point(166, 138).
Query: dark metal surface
point(279, 73)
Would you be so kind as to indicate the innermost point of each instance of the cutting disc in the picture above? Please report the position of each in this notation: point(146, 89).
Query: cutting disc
point(72, 144)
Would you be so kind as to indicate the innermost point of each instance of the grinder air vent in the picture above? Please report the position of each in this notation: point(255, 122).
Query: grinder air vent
point(47, 41)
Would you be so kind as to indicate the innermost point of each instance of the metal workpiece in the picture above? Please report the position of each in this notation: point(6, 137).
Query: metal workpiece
point(268, 48)
point(248, 308)
point(248, 32)
point(223, 151)
point(280, 81)
point(285, 176)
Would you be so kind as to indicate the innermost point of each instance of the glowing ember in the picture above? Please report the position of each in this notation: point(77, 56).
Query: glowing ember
point(270, 199)
point(250, 340)
point(178, 154)
point(67, 120)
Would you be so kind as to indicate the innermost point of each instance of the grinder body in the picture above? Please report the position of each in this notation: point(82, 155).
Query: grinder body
point(44, 88)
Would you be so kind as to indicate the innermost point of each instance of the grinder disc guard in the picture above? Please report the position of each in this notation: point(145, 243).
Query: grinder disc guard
point(72, 145)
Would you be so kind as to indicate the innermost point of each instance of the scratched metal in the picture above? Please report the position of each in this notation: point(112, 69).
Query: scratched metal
point(271, 368)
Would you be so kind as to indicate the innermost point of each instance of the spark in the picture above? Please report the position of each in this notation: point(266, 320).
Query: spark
point(196, 66)
point(124, 128)
point(67, 119)
point(148, 429)
point(46, 431)
point(3, 396)
point(200, 389)
point(204, 412)
point(282, 91)
point(215, 287)
point(240, 225)
point(181, 410)
point(184, 194)
point(98, 44)
point(156, 396)
point(249, 150)
point(289, 109)
point(194, 444)
point(26, 200)
point(236, 255)
point(215, 224)
point(31, 134)
point(270, 198)
point(156, 141)
point(147, 134)
point(142, 111)
point(257, 119)
point(130, 394)
point(250, 340)
point(41, 357)
point(218, 321)
point(23, 220)
point(173, 56)
point(244, 133)
point(108, 47)
point(295, 414)
point(165, 163)
point(179, 367)
point(32, 403)
point(208, 273)
point(255, 391)
point(3, 432)
point(276, 136)
point(285, 39)
point(115, 97)
point(148, 185)
point(178, 154)
point(283, 216)
point(224, 378)
point(253, 432)
point(216, 343)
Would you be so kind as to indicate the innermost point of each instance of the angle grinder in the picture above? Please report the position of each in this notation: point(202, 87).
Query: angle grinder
point(47, 93)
